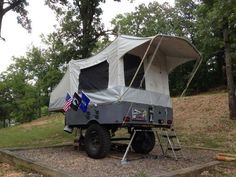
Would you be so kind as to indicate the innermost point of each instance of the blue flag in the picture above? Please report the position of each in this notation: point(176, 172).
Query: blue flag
point(84, 102)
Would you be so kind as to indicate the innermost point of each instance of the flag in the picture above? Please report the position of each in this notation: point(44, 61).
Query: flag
point(84, 102)
point(75, 102)
point(68, 101)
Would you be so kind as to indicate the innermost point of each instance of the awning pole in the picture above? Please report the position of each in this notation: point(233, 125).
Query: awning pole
point(195, 69)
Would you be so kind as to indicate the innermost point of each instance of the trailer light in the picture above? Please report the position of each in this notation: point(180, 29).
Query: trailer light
point(169, 121)
point(126, 119)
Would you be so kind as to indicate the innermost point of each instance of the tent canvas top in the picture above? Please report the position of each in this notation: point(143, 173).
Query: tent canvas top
point(105, 77)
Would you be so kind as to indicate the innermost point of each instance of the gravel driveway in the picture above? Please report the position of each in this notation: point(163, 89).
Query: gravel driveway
point(77, 163)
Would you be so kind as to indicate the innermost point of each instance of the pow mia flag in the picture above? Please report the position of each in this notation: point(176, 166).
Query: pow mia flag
point(76, 102)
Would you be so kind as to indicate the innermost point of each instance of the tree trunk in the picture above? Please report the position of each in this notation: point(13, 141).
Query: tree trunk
point(1, 18)
point(229, 74)
point(1, 15)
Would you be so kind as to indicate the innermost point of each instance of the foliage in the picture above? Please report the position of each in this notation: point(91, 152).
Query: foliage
point(80, 26)
point(26, 85)
point(20, 93)
point(145, 20)
point(5, 100)
point(219, 39)
point(17, 6)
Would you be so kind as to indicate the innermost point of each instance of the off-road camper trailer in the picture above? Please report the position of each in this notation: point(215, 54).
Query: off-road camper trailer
point(127, 84)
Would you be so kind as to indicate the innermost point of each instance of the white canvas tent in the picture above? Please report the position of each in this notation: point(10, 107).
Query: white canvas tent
point(107, 73)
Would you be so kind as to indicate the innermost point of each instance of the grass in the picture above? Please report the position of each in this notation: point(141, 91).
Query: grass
point(42, 132)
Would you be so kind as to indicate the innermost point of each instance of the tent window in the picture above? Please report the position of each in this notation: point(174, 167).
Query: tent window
point(131, 63)
point(95, 77)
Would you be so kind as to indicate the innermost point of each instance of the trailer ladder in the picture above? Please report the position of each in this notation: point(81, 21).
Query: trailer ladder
point(164, 136)
point(169, 137)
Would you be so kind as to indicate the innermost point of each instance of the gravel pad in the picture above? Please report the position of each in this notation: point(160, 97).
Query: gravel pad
point(77, 163)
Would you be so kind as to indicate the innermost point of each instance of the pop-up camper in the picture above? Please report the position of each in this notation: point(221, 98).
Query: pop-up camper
point(127, 84)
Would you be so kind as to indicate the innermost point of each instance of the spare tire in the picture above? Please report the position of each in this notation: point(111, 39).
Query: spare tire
point(97, 141)
point(143, 142)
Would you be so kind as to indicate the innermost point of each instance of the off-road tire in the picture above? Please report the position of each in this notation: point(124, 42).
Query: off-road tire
point(143, 142)
point(97, 141)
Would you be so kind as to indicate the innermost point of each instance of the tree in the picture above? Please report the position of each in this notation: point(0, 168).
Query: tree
point(80, 26)
point(5, 101)
point(24, 86)
point(219, 22)
point(23, 94)
point(17, 6)
point(146, 20)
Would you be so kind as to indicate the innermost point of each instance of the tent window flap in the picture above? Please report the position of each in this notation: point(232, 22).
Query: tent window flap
point(131, 63)
point(95, 77)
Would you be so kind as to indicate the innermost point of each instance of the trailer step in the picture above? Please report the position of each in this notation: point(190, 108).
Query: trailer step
point(170, 136)
point(119, 139)
point(171, 140)
point(175, 148)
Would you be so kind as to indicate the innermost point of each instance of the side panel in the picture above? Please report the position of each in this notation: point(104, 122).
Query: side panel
point(114, 113)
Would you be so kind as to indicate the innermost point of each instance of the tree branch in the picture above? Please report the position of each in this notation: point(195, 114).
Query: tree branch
point(7, 2)
point(12, 6)
point(2, 38)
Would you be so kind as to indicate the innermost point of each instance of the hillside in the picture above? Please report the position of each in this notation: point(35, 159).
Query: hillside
point(203, 120)
point(41, 132)
point(199, 120)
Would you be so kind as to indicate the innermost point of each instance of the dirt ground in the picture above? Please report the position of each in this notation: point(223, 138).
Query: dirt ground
point(226, 169)
point(76, 162)
point(203, 120)
point(7, 170)
point(201, 112)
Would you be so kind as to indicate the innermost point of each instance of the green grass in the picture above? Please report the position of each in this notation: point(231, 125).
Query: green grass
point(48, 132)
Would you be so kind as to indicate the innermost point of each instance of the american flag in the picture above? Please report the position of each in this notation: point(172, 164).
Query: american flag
point(68, 101)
